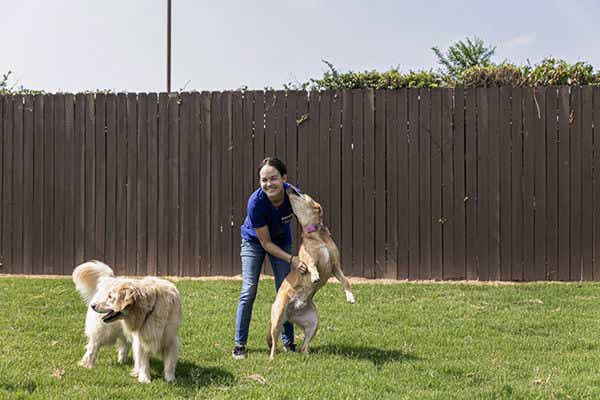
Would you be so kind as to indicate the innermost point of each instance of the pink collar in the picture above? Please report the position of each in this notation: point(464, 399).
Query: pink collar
point(313, 228)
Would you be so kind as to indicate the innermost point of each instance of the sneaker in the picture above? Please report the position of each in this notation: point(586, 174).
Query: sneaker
point(239, 352)
point(289, 348)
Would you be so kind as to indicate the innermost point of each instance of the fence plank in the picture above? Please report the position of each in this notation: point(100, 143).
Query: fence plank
point(459, 265)
point(505, 184)
point(193, 187)
point(141, 185)
point(239, 197)
point(379, 162)
point(346, 182)
point(17, 184)
point(425, 220)
point(358, 204)
point(100, 177)
point(153, 182)
point(552, 168)
point(205, 223)
point(272, 105)
point(564, 183)
point(122, 245)
point(517, 184)
point(471, 197)
point(483, 176)
point(575, 135)
point(587, 213)
point(540, 195)
point(216, 204)
point(335, 163)
point(7, 189)
point(493, 184)
point(437, 214)
point(69, 193)
point(448, 216)
point(132, 175)
point(415, 174)
point(529, 139)
point(48, 241)
point(28, 186)
point(173, 221)
point(596, 166)
point(110, 251)
point(226, 177)
point(321, 155)
point(403, 202)
point(185, 147)
point(59, 192)
point(78, 172)
point(392, 179)
point(368, 183)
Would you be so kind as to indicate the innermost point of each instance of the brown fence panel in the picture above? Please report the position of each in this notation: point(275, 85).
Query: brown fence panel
point(415, 183)
point(369, 183)
point(587, 204)
point(17, 188)
point(596, 165)
point(379, 161)
point(504, 170)
point(575, 134)
point(437, 215)
point(457, 269)
point(552, 168)
point(448, 219)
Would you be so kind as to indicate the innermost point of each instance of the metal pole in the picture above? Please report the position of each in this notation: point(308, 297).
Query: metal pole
point(168, 46)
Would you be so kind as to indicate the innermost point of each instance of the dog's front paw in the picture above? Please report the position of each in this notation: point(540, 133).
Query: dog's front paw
point(170, 377)
point(350, 298)
point(134, 372)
point(144, 379)
point(85, 363)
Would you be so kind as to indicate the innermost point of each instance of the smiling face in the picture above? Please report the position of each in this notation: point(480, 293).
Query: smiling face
point(115, 302)
point(271, 182)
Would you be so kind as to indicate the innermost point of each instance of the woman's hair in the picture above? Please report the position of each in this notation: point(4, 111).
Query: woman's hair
point(273, 162)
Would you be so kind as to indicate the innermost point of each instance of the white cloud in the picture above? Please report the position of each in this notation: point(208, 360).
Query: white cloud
point(522, 40)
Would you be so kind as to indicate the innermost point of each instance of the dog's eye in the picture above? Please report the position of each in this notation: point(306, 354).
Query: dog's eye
point(110, 296)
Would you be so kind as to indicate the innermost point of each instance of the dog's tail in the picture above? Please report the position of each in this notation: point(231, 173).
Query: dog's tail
point(87, 275)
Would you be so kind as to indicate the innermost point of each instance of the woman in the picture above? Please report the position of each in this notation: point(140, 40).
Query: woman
point(266, 229)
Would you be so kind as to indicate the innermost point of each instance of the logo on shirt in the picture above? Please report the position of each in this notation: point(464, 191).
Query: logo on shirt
point(286, 219)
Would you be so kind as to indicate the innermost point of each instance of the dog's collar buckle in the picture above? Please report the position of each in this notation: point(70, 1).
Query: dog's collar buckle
point(313, 228)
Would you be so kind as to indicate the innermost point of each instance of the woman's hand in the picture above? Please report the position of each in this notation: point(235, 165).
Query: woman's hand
point(298, 265)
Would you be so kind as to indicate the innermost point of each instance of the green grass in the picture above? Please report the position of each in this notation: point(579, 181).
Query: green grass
point(408, 340)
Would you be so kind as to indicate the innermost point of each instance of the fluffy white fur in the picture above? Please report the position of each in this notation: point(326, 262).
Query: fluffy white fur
point(143, 313)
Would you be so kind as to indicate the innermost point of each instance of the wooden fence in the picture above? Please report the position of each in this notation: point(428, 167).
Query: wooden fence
point(489, 184)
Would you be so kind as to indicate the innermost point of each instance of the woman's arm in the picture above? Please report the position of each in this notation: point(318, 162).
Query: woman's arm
point(265, 240)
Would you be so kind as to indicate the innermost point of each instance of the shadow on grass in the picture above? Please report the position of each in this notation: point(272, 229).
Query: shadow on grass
point(19, 388)
point(377, 356)
point(190, 375)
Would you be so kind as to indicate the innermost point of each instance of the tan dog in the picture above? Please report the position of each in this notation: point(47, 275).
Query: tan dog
point(146, 312)
point(320, 254)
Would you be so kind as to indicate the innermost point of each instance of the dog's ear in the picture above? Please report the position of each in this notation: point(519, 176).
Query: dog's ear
point(128, 294)
point(317, 206)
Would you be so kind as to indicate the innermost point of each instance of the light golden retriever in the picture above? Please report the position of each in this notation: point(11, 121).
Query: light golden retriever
point(294, 300)
point(145, 313)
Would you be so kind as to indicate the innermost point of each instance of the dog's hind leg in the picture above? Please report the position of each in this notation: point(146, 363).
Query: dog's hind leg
point(339, 274)
point(277, 319)
point(308, 319)
point(122, 350)
point(170, 354)
point(89, 358)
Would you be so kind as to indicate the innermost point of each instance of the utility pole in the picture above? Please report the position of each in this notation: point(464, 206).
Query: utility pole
point(168, 46)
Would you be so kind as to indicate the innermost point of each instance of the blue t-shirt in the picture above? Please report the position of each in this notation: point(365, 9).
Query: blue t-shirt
point(261, 212)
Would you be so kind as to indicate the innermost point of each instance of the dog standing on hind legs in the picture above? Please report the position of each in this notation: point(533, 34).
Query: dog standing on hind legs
point(294, 300)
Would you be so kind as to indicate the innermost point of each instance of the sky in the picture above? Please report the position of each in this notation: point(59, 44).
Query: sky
point(78, 45)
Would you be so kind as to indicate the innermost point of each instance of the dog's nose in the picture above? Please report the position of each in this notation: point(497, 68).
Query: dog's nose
point(93, 306)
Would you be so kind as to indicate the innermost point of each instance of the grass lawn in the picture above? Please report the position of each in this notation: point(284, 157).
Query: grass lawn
point(400, 341)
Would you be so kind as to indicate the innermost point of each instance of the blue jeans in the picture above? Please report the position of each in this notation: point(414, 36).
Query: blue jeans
point(253, 255)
